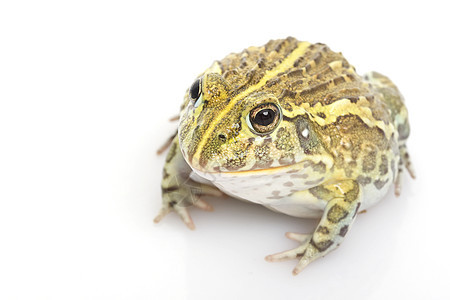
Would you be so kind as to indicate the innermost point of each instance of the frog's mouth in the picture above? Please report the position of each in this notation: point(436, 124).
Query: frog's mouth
point(299, 169)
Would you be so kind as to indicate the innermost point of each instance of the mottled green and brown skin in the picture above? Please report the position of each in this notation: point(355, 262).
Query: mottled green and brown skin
point(337, 146)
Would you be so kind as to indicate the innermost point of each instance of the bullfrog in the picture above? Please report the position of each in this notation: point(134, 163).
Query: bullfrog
point(289, 125)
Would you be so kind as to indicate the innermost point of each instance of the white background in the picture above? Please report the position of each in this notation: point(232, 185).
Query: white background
point(86, 89)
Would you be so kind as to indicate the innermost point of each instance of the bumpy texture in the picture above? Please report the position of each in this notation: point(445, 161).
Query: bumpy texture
point(292, 126)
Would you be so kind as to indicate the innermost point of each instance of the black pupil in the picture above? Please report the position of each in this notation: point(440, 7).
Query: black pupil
point(264, 117)
point(195, 90)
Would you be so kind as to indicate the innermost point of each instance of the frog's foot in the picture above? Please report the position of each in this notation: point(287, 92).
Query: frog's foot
point(344, 200)
point(307, 252)
point(179, 199)
point(405, 162)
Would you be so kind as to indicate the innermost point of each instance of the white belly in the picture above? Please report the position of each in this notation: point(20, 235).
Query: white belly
point(282, 192)
point(278, 192)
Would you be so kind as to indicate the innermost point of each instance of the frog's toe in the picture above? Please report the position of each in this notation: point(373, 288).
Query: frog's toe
point(298, 237)
point(185, 216)
point(305, 253)
point(181, 211)
point(300, 266)
point(302, 238)
point(207, 190)
point(282, 256)
point(162, 213)
point(202, 204)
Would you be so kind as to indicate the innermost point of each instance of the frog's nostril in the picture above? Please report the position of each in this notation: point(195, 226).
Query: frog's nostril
point(222, 137)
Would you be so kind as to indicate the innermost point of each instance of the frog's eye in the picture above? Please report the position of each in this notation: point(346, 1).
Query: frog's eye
point(195, 92)
point(264, 118)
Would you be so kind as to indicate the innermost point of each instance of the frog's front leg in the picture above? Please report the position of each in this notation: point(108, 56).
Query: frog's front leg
point(179, 191)
point(343, 201)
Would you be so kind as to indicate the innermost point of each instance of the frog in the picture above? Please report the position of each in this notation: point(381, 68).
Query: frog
point(289, 125)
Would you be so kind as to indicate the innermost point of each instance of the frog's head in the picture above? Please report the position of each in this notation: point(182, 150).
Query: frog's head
point(227, 128)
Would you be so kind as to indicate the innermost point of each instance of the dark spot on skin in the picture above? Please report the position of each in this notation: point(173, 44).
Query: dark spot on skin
point(170, 189)
point(243, 62)
point(298, 61)
point(322, 230)
point(172, 203)
point(352, 194)
point(286, 106)
point(314, 182)
point(304, 176)
point(295, 73)
point(348, 172)
point(321, 246)
point(272, 82)
point(349, 168)
point(267, 140)
point(369, 161)
point(353, 99)
point(384, 165)
point(289, 183)
point(275, 195)
point(336, 214)
point(261, 62)
point(370, 98)
point(293, 171)
point(322, 115)
point(343, 231)
point(319, 167)
point(234, 164)
point(363, 180)
point(279, 47)
point(321, 192)
point(286, 94)
point(308, 67)
point(222, 137)
point(355, 152)
point(300, 255)
point(339, 80)
point(379, 184)
point(250, 74)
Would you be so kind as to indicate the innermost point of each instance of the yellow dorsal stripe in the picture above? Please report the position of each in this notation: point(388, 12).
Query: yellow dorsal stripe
point(286, 64)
